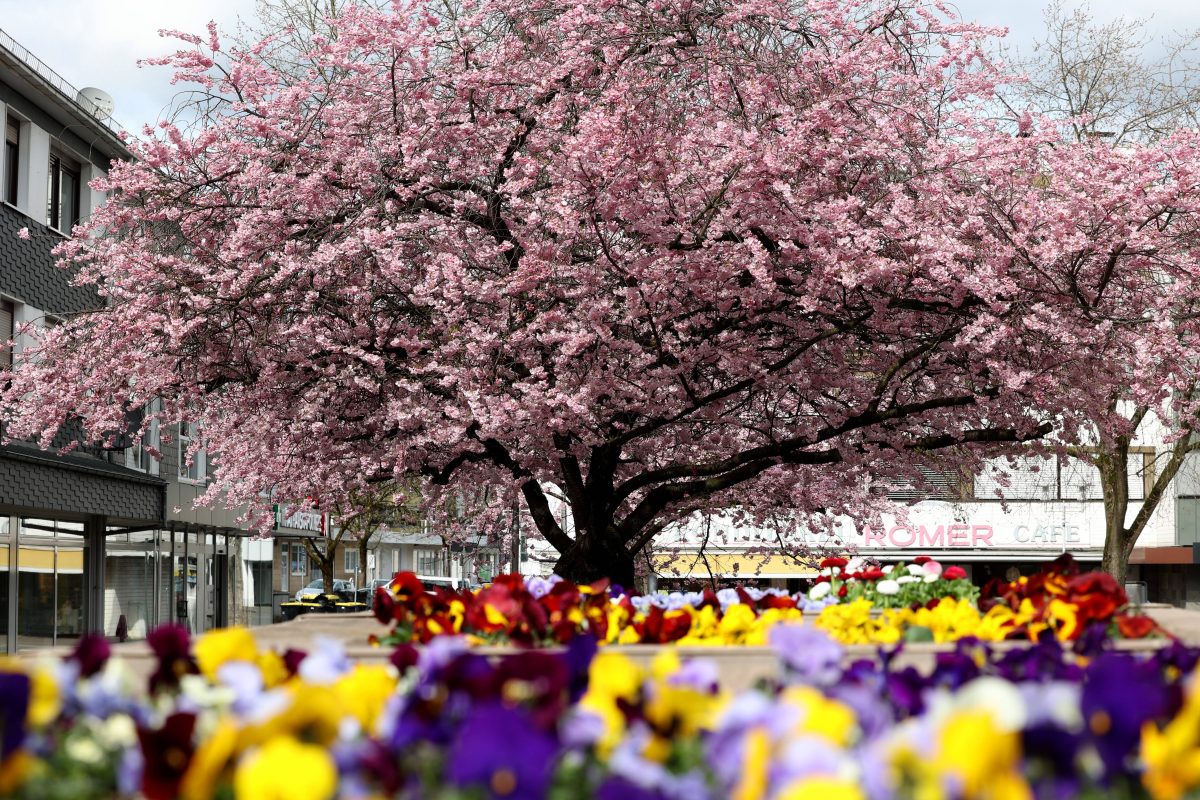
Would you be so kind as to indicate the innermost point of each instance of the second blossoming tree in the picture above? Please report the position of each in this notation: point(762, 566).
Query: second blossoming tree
point(651, 258)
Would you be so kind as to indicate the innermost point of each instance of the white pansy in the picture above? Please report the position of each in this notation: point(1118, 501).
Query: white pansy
point(916, 569)
point(1001, 699)
point(84, 750)
point(118, 732)
point(930, 578)
point(819, 591)
point(887, 586)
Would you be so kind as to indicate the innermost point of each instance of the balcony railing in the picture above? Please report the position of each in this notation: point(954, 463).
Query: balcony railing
point(53, 78)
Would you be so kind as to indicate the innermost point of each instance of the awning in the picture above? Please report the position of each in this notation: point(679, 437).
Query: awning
point(732, 565)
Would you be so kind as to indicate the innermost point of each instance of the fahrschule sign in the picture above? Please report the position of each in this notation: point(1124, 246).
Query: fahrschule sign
point(299, 520)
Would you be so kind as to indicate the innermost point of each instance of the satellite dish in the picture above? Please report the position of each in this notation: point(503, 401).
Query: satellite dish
point(97, 101)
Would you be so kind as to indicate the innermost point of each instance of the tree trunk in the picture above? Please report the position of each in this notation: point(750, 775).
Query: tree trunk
point(324, 560)
point(590, 560)
point(1114, 481)
point(1118, 547)
point(364, 547)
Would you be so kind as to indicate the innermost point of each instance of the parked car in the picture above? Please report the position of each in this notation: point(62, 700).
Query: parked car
point(317, 588)
point(367, 593)
point(344, 598)
point(430, 582)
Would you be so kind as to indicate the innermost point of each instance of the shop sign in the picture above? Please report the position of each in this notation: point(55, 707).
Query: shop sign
point(974, 536)
point(298, 519)
point(928, 527)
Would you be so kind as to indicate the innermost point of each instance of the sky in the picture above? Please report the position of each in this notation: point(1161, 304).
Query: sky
point(98, 42)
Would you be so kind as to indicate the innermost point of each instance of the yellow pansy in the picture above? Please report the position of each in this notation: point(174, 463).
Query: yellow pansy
point(273, 668)
point(611, 677)
point(493, 616)
point(1172, 755)
point(822, 787)
point(618, 622)
point(1064, 618)
point(628, 636)
point(313, 713)
point(665, 664)
point(949, 620)
point(218, 647)
point(736, 623)
point(756, 763)
point(45, 701)
point(363, 692)
point(209, 762)
point(984, 759)
point(456, 613)
point(821, 716)
point(849, 623)
point(704, 623)
point(286, 769)
point(760, 630)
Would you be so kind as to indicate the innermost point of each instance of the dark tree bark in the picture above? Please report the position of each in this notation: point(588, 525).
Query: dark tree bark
point(1113, 463)
point(589, 559)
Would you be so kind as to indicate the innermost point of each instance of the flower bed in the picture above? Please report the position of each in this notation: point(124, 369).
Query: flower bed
point(918, 602)
point(224, 718)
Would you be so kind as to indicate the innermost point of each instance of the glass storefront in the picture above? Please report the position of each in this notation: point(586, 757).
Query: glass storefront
point(49, 595)
point(136, 584)
point(45, 586)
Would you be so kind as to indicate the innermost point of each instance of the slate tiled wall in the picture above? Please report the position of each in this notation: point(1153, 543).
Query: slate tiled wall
point(48, 489)
point(27, 270)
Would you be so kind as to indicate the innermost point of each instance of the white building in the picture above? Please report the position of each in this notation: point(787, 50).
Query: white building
point(1009, 519)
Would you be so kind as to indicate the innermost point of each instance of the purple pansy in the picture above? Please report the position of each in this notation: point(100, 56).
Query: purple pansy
point(502, 751)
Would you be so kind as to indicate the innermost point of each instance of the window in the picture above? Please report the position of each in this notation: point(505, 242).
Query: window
point(430, 561)
point(12, 157)
point(139, 456)
point(351, 560)
point(189, 432)
point(260, 573)
point(934, 485)
point(62, 191)
point(7, 313)
point(1055, 478)
point(299, 559)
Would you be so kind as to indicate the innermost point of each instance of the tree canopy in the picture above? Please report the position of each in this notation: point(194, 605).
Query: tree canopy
point(653, 255)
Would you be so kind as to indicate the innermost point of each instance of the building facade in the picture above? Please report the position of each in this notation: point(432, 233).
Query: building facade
point(97, 540)
point(1008, 520)
point(56, 512)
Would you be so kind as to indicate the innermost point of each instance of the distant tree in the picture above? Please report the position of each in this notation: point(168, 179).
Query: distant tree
point(1113, 83)
point(656, 258)
point(386, 506)
point(1108, 80)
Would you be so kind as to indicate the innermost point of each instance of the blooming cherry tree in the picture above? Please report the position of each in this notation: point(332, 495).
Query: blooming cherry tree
point(652, 257)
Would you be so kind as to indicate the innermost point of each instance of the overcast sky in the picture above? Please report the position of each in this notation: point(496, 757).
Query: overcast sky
point(98, 42)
